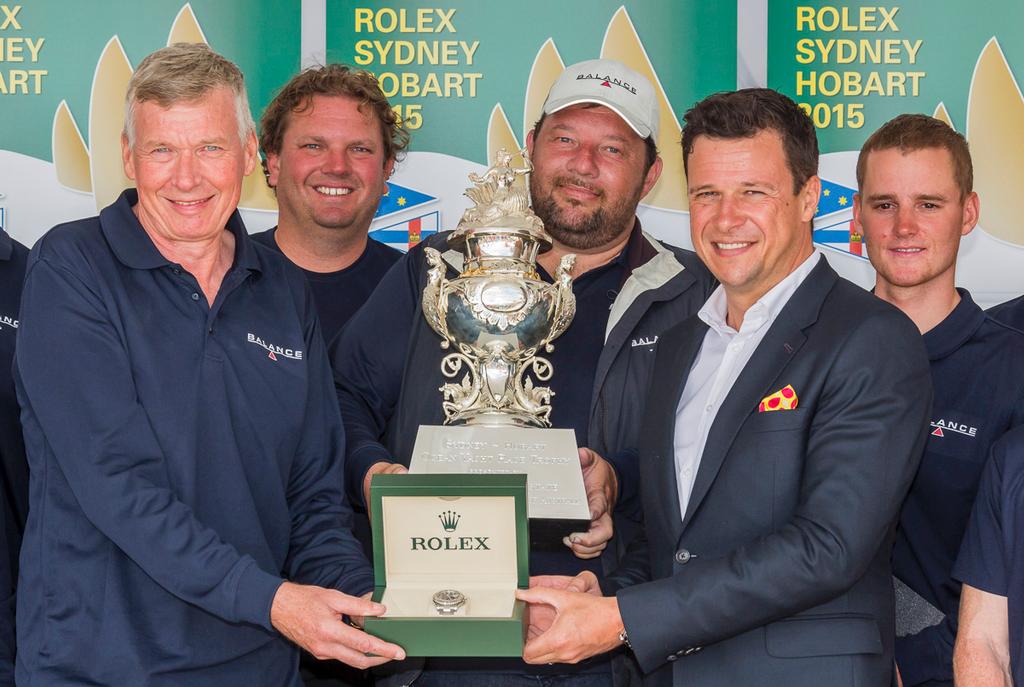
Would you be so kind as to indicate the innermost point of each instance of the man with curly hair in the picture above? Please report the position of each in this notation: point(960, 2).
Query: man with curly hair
point(331, 140)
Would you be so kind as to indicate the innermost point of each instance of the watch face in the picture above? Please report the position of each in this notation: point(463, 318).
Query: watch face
point(448, 601)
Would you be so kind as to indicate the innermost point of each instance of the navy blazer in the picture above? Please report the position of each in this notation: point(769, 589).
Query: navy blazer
point(778, 574)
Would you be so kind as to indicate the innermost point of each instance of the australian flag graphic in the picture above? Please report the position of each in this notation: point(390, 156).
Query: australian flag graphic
point(833, 222)
point(403, 218)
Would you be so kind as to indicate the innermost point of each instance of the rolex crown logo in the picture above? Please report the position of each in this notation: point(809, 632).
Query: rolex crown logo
point(449, 520)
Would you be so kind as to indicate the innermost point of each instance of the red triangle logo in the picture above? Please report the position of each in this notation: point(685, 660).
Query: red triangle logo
point(271, 355)
point(938, 432)
point(606, 84)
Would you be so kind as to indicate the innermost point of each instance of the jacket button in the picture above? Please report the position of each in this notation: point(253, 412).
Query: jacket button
point(671, 657)
point(683, 556)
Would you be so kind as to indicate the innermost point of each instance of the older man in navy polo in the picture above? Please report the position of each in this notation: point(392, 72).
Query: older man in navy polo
point(181, 429)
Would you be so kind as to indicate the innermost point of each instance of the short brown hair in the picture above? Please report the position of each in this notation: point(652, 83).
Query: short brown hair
point(331, 80)
point(748, 112)
point(911, 132)
point(185, 72)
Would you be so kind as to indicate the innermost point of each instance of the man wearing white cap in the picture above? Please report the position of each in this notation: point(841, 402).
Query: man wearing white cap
point(594, 158)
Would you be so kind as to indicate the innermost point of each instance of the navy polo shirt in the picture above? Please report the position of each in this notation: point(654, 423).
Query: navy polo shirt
point(977, 367)
point(13, 469)
point(185, 457)
point(339, 294)
point(1010, 312)
point(992, 556)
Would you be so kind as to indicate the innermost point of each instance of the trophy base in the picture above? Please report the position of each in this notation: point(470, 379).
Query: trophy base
point(557, 501)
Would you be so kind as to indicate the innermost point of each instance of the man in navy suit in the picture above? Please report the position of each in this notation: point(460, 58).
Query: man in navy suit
point(783, 429)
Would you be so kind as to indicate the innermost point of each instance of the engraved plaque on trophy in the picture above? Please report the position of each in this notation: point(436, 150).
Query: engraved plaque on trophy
point(496, 319)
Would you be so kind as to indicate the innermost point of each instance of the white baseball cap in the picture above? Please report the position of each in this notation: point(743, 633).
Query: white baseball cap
point(612, 84)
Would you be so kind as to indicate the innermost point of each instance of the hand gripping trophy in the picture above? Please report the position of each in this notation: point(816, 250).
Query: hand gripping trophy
point(497, 317)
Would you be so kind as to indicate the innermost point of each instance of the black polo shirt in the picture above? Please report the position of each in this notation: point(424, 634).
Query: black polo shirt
point(339, 294)
point(977, 367)
point(13, 469)
point(185, 457)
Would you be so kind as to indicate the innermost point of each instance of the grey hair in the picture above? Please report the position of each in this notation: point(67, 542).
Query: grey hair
point(186, 72)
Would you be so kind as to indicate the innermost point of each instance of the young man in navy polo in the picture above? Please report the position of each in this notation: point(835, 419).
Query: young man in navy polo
point(13, 468)
point(990, 643)
point(916, 201)
point(331, 140)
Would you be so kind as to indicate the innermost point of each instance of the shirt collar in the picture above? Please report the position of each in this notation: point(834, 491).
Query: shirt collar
point(954, 331)
point(765, 310)
point(133, 247)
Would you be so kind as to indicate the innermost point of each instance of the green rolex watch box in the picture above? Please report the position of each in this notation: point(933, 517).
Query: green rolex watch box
point(449, 552)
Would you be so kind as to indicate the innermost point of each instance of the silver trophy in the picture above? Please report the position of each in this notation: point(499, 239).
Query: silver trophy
point(498, 313)
point(496, 318)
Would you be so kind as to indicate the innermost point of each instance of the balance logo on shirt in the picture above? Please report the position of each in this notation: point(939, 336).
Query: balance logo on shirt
point(645, 341)
point(274, 351)
point(8, 321)
point(940, 427)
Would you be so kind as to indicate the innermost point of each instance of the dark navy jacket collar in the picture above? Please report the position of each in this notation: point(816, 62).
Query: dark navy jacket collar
point(638, 249)
point(956, 330)
point(6, 246)
point(133, 247)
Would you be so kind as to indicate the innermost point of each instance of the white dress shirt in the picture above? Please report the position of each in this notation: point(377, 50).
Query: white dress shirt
point(722, 357)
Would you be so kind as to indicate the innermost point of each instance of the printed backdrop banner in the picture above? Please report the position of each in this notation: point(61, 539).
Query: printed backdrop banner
point(854, 66)
point(470, 77)
point(63, 77)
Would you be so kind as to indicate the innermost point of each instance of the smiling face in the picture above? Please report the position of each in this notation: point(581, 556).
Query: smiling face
point(330, 172)
point(747, 224)
point(588, 175)
point(912, 217)
point(188, 163)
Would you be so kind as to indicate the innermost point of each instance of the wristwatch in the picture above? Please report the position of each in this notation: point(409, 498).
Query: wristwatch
point(448, 601)
point(624, 638)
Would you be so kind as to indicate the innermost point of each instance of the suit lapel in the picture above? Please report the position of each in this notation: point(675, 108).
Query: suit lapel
point(777, 348)
point(673, 377)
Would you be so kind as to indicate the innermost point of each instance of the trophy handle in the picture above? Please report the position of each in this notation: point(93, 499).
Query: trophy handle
point(432, 294)
point(565, 302)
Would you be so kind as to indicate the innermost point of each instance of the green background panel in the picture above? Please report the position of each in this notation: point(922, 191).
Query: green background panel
point(691, 44)
point(261, 36)
point(953, 35)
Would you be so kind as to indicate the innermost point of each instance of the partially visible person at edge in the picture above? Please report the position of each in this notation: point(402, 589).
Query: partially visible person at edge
point(594, 158)
point(331, 141)
point(13, 468)
point(916, 202)
point(1011, 312)
point(990, 640)
point(186, 521)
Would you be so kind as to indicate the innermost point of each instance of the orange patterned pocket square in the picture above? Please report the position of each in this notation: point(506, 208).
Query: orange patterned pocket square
point(783, 399)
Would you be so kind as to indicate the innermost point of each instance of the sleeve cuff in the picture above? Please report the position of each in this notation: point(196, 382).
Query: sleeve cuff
point(357, 585)
point(255, 595)
point(920, 659)
point(627, 473)
point(359, 462)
